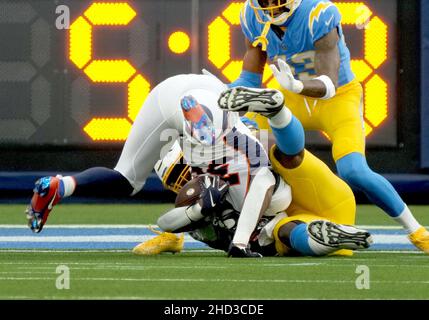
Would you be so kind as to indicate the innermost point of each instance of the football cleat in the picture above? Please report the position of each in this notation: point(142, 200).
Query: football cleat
point(420, 239)
point(237, 252)
point(267, 102)
point(163, 242)
point(339, 236)
point(45, 197)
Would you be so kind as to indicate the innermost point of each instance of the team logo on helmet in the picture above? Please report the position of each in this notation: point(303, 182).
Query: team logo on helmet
point(199, 124)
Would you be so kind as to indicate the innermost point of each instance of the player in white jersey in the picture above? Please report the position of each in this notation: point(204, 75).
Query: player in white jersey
point(277, 233)
point(183, 108)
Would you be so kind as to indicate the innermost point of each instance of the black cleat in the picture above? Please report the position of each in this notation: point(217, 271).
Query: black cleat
point(339, 236)
point(237, 252)
point(267, 102)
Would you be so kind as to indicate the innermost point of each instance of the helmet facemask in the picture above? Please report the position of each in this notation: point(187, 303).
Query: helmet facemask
point(274, 11)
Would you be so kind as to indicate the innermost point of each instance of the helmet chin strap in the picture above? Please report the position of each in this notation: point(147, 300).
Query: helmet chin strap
point(262, 39)
point(278, 21)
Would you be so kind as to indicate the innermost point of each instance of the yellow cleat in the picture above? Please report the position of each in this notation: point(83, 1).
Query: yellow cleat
point(163, 242)
point(343, 253)
point(420, 239)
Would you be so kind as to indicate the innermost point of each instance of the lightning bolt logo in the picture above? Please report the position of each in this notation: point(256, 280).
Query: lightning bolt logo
point(316, 12)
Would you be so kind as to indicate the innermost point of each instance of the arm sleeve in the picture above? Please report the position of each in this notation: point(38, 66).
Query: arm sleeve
point(180, 219)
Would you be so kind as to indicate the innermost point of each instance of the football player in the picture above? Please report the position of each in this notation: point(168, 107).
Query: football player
point(304, 42)
point(184, 108)
point(296, 230)
point(210, 201)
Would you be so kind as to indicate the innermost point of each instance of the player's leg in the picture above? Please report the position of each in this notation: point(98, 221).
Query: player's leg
point(286, 128)
point(141, 151)
point(305, 234)
point(315, 188)
point(345, 128)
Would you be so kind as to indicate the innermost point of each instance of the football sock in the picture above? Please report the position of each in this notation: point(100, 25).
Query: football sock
point(97, 182)
point(407, 220)
point(67, 186)
point(247, 79)
point(354, 169)
point(303, 243)
point(288, 131)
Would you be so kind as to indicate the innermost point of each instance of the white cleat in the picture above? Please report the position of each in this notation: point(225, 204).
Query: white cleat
point(267, 102)
point(339, 236)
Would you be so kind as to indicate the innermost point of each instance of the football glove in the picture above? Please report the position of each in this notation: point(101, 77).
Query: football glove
point(213, 194)
point(285, 77)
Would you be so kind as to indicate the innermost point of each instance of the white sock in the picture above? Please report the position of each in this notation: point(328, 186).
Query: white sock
point(407, 220)
point(69, 186)
point(281, 119)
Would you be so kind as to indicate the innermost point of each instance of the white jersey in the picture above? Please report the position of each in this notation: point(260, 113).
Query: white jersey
point(237, 171)
point(161, 122)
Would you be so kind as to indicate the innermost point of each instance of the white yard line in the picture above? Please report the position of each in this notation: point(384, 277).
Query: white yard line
point(211, 280)
point(126, 226)
point(378, 239)
point(79, 226)
point(78, 251)
point(66, 297)
point(67, 239)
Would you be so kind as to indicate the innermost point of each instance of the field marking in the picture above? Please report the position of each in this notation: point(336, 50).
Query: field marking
point(324, 260)
point(210, 250)
point(68, 239)
point(80, 226)
point(49, 270)
point(211, 280)
point(67, 297)
point(146, 226)
point(378, 239)
point(416, 251)
point(133, 267)
point(81, 270)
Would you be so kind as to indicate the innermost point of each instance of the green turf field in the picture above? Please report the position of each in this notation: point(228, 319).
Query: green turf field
point(103, 274)
point(108, 275)
point(148, 213)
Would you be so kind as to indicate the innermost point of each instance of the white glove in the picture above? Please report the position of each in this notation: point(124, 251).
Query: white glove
point(285, 77)
point(208, 73)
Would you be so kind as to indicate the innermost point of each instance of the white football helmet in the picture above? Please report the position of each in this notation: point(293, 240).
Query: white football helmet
point(173, 170)
point(205, 123)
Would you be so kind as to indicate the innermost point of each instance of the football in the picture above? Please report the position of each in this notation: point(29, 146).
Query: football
point(190, 193)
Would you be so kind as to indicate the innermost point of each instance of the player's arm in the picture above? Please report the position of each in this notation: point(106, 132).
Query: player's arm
point(257, 201)
point(210, 198)
point(327, 65)
point(253, 67)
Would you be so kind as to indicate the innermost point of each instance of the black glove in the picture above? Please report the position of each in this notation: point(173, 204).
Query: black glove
point(213, 195)
point(237, 252)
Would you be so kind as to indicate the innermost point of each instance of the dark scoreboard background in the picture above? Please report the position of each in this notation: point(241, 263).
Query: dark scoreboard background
point(82, 86)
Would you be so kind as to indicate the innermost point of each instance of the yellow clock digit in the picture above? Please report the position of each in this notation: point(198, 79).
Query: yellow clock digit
point(107, 71)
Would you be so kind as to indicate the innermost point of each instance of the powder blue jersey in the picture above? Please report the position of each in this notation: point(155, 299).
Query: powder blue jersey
point(311, 21)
